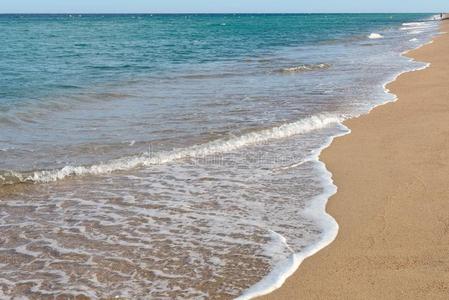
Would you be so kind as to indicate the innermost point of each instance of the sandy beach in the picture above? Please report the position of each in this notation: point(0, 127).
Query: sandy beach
point(176, 156)
point(392, 203)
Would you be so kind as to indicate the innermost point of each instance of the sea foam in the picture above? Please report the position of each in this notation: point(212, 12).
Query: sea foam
point(317, 209)
point(374, 36)
point(201, 150)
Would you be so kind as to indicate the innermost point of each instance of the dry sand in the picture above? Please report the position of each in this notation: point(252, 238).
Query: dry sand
point(392, 203)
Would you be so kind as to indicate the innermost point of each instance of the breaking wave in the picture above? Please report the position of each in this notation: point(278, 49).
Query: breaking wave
point(375, 36)
point(148, 159)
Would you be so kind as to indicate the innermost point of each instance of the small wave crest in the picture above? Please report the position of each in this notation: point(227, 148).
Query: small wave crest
point(147, 159)
point(375, 36)
point(414, 24)
point(415, 32)
point(304, 68)
point(416, 27)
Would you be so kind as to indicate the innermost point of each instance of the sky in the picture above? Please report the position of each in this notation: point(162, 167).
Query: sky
point(216, 6)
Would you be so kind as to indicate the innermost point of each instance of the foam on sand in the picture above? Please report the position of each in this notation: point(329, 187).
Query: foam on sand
point(317, 209)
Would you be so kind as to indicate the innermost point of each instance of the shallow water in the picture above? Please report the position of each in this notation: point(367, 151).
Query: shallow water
point(174, 156)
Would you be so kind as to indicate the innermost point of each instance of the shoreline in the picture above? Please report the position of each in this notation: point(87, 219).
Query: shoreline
point(282, 272)
point(85, 204)
point(307, 282)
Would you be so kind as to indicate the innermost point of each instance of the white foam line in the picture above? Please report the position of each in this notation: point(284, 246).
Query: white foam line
point(215, 147)
point(279, 274)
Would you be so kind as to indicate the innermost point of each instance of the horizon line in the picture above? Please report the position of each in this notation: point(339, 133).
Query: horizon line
point(203, 13)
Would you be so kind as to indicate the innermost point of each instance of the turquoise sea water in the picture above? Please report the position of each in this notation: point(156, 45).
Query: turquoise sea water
point(44, 55)
point(174, 156)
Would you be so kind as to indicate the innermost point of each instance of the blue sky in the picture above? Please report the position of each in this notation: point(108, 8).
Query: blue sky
point(147, 6)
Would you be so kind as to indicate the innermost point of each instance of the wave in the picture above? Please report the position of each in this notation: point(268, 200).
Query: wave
point(304, 68)
point(148, 159)
point(416, 26)
point(294, 69)
point(374, 36)
point(415, 32)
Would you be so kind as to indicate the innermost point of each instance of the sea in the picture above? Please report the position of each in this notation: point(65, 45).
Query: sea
point(176, 156)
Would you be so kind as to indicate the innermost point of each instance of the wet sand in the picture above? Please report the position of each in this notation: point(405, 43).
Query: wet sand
point(392, 203)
